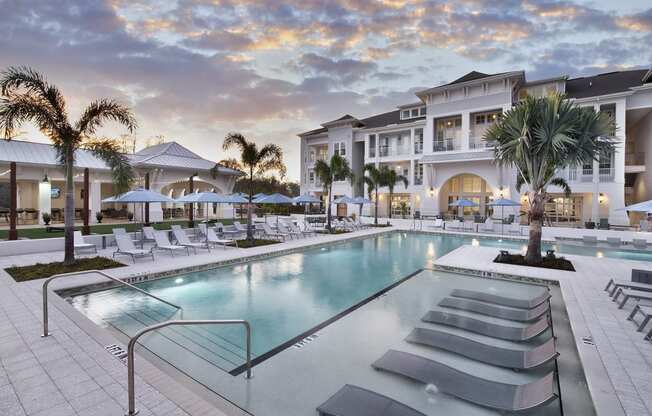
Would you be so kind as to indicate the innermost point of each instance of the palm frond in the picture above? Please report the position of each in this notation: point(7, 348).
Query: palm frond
point(15, 78)
point(561, 182)
point(270, 157)
point(16, 109)
point(109, 151)
point(100, 111)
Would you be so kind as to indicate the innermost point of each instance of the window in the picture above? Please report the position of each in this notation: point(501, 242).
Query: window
point(372, 145)
point(448, 134)
point(610, 110)
point(479, 119)
point(418, 174)
point(422, 111)
point(418, 141)
point(405, 114)
point(339, 148)
point(311, 176)
point(415, 112)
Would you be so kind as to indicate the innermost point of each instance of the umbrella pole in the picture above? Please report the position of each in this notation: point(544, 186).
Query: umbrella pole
point(206, 216)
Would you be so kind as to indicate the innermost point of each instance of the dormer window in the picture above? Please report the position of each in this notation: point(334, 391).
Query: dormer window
point(414, 112)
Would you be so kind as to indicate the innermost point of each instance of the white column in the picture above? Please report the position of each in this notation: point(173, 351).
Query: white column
point(595, 198)
point(616, 196)
point(466, 129)
point(94, 200)
point(44, 200)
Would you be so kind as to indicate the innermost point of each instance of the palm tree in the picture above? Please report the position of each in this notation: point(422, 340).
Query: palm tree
point(337, 170)
point(390, 179)
point(28, 97)
point(231, 163)
point(374, 179)
point(541, 136)
point(255, 162)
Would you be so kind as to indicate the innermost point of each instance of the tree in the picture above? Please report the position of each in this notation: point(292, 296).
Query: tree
point(374, 179)
point(255, 162)
point(337, 170)
point(390, 179)
point(28, 97)
point(540, 137)
point(231, 163)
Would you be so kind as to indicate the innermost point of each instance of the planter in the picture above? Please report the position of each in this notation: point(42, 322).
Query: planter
point(550, 261)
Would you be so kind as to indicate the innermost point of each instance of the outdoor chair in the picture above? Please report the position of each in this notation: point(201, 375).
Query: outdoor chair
point(183, 240)
point(439, 223)
point(162, 242)
point(639, 243)
point(126, 247)
point(282, 228)
point(614, 241)
point(81, 245)
point(603, 224)
point(497, 311)
point(123, 232)
point(469, 387)
point(644, 225)
point(590, 240)
point(517, 359)
point(212, 238)
point(296, 229)
point(488, 225)
point(631, 294)
point(273, 234)
point(523, 303)
point(646, 311)
point(640, 280)
point(148, 234)
point(352, 400)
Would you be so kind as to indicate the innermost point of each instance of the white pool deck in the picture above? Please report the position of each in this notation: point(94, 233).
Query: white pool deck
point(70, 372)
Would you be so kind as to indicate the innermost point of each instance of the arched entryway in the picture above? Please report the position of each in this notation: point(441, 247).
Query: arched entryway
point(466, 186)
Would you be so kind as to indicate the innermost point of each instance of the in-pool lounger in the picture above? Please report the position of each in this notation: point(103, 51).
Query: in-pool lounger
point(503, 300)
point(504, 312)
point(355, 401)
point(511, 333)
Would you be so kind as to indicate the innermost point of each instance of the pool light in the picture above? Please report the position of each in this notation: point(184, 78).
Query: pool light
point(179, 280)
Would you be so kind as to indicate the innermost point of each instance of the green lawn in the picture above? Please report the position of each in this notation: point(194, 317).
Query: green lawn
point(95, 229)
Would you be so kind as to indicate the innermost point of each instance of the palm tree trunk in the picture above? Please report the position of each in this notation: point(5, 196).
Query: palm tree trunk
point(533, 254)
point(389, 204)
point(69, 214)
point(250, 231)
point(376, 208)
point(328, 209)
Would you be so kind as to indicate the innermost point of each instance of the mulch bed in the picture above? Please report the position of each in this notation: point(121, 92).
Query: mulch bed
point(557, 263)
point(257, 243)
point(43, 270)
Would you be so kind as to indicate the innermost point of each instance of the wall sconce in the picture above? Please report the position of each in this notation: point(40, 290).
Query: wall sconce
point(431, 192)
point(45, 179)
point(602, 198)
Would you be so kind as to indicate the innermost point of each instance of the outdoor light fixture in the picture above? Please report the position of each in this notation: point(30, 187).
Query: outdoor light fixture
point(602, 198)
point(45, 179)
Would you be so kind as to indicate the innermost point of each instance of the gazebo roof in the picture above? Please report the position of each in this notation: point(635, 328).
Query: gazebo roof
point(171, 155)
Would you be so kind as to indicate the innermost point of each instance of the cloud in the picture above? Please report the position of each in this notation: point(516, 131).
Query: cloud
point(344, 71)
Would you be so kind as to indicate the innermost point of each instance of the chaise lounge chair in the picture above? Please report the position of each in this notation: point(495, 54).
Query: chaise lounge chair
point(273, 234)
point(183, 240)
point(465, 386)
point(631, 294)
point(352, 400)
point(81, 245)
point(504, 312)
point(213, 239)
point(639, 243)
point(646, 311)
point(530, 303)
point(479, 326)
point(614, 241)
point(439, 223)
point(590, 240)
point(282, 228)
point(640, 280)
point(162, 242)
point(479, 351)
point(126, 247)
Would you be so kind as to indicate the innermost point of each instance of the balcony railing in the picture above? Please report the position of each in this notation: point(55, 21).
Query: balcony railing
point(372, 152)
point(388, 150)
point(477, 143)
point(606, 174)
point(587, 175)
point(418, 180)
point(418, 148)
point(632, 159)
point(446, 145)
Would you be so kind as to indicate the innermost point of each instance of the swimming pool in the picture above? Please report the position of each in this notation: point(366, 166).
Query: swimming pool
point(284, 298)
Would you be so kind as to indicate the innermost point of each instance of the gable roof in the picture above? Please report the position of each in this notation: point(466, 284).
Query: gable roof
point(604, 84)
point(471, 76)
point(172, 154)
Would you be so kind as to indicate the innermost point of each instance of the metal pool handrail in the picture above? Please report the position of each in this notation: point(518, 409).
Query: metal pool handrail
point(132, 344)
point(56, 276)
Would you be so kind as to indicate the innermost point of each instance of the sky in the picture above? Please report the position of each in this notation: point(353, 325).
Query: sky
point(194, 70)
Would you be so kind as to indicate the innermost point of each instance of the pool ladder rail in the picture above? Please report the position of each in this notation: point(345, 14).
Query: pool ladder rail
point(134, 340)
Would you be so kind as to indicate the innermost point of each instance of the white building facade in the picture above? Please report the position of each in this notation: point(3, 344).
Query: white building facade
point(437, 144)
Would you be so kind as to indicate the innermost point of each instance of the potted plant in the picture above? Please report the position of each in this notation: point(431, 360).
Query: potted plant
point(130, 216)
point(404, 210)
point(46, 218)
point(99, 216)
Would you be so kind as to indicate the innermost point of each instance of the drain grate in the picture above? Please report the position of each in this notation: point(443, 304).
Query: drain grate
point(588, 340)
point(118, 352)
point(307, 340)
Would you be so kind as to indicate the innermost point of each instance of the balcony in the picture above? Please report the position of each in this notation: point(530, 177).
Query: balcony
point(606, 174)
point(418, 148)
point(477, 143)
point(389, 150)
point(446, 145)
point(418, 180)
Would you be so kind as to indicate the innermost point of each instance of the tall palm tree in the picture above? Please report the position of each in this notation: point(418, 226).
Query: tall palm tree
point(255, 162)
point(391, 178)
point(231, 163)
point(374, 179)
point(28, 97)
point(541, 136)
point(337, 170)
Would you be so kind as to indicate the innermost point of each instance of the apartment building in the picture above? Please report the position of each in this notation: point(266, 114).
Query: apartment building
point(436, 142)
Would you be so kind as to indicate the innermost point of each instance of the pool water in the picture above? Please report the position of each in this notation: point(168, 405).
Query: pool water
point(282, 297)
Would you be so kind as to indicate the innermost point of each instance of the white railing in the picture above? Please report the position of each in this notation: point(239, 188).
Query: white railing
point(389, 150)
point(418, 148)
point(606, 174)
point(446, 145)
point(418, 180)
point(476, 143)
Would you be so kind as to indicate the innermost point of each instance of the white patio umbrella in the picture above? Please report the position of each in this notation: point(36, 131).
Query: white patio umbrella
point(502, 203)
point(205, 198)
point(275, 199)
point(645, 206)
point(139, 196)
point(361, 200)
